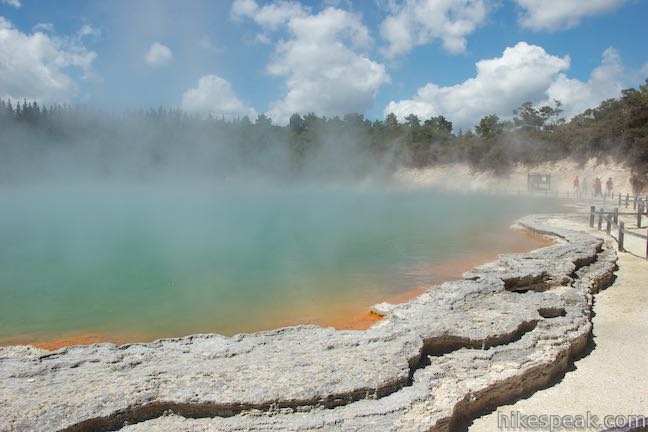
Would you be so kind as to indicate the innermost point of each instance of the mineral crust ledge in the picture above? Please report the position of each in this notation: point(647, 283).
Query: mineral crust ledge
point(508, 328)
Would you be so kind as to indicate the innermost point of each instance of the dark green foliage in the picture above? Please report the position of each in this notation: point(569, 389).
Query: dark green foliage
point(617, 129)
point(489, 127)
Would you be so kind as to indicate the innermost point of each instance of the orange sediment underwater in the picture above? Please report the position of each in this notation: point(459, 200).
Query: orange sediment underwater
point(343, 314)
point(444, 271)
point(366, 319)
point(83, 339)
point(52, 342)
point(76, 339)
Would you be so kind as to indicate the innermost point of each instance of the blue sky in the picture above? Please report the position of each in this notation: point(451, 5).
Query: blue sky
point(458, 58)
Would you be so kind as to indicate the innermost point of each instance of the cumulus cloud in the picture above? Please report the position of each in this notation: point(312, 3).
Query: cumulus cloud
point(419, 22)
point(606, 81)
point(14, 3)
point(36, 66)
point(323, 66)
point(158, 55)
point(523, 73)
point(270, 16)
point(243, 9)
point(87, 30)
point(215, 96)
point(323, 60)
point(44, 27)
point(263, 39)
point(557, 14)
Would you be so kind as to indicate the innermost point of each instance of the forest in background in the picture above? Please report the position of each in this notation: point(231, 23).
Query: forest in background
point(63, 141)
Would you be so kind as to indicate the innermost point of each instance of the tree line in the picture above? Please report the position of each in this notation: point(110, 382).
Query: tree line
point(615, 130)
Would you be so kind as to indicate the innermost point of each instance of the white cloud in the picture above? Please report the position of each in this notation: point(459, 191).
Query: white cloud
point(44, 27)
point(323, 60)
point(263, 39)
point(14, 3)
point(243, 9)
point(158, 55)
point(88, 30)
point(36, 66)
point(323, 66)
point(419, 22)
point(606, 81)
point(215, 96)
point(556, 14)
point(523, 73)
point(270, 16)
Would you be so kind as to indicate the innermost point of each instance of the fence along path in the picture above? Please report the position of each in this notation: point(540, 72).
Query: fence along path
point(640, 209)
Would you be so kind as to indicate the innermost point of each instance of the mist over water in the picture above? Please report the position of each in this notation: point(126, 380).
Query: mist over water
point(76, 146)
point(158, 224)
point(172, 258)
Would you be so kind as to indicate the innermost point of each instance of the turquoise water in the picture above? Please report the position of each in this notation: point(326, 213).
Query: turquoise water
point(168, 260)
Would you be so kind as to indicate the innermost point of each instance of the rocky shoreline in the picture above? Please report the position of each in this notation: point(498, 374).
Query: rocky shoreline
point(508, 328)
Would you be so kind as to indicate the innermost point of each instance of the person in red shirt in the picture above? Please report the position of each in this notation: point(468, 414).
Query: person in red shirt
point(597, 187)
point(576, 184)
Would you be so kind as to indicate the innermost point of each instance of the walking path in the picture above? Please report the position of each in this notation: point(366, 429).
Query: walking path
point(613, 378)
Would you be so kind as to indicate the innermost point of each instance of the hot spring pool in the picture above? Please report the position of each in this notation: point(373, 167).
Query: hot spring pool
point(139, 263)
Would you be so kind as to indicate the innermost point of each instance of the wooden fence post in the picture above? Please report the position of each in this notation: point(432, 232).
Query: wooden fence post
point(619, 199)
point(634, 203)
point(627, 199)
point(616, 215)
point(608, 224)
point(600, 221)
point(639, 211)
point(621, 234)
point(592, 211)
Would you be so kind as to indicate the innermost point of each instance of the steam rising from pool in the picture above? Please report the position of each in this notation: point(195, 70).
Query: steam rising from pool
point(175, 259)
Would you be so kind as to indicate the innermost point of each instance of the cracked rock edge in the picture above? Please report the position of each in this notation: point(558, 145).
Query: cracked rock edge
point(462, 347)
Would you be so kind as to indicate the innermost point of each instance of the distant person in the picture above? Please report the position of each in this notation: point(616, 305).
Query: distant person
point(597, 187)
point(609, 186)
point(584, 187)
point(636, 185)
point(576, 185)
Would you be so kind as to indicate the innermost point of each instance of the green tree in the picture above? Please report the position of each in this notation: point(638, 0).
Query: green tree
point(489, 127)
point(551, 115)
point(296, 124)
point(436, 129)
point(412, 121)
point(391, 122)
point(527, 117)
point(263, 120)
